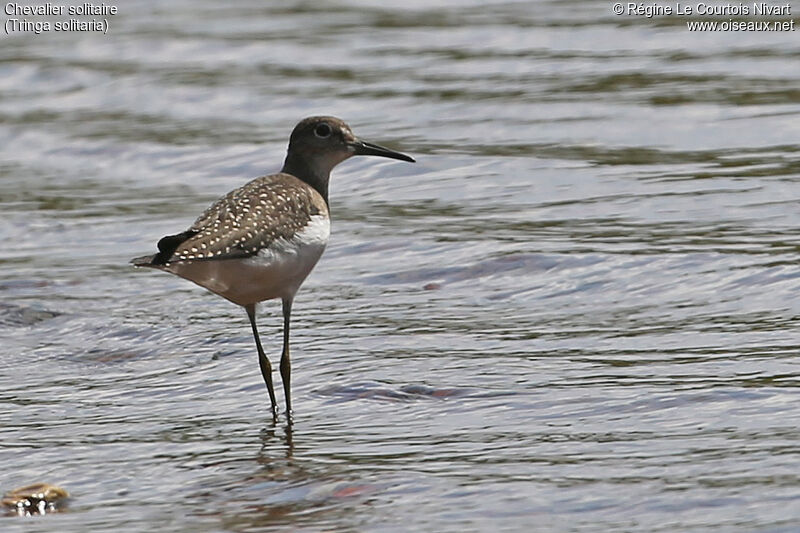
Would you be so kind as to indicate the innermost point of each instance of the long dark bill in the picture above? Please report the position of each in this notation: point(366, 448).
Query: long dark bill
point(365, 148)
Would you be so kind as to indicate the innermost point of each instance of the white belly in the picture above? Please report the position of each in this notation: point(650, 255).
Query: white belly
point(275, 272)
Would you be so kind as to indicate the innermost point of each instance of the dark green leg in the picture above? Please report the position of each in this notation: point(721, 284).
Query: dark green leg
point(263, 362)
point(286, 364)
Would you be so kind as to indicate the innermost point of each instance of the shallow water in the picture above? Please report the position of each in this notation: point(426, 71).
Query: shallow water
point(577, 312)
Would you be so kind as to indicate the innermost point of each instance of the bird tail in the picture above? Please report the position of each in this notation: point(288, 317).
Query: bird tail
point(144, 261)
point(166, 249)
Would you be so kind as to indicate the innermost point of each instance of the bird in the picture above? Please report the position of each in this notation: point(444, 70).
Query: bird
point(259, 242)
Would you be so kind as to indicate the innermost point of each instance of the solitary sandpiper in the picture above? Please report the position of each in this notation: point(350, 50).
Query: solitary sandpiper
point(260, 241)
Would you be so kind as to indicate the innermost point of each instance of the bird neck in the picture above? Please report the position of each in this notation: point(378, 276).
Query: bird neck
point(305, 169)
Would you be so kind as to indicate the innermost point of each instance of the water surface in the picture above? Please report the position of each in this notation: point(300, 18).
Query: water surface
point(577, 312)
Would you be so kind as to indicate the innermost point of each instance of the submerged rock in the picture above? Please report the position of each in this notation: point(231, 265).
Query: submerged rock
point(36, 499)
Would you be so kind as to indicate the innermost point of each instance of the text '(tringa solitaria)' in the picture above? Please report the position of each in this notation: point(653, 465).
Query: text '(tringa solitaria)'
point(260, 241)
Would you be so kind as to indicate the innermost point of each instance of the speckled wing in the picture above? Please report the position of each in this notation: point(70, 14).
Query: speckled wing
point(245, 220)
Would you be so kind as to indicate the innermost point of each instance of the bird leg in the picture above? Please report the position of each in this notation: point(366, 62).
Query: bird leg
point(263, 362)
point(286, 365)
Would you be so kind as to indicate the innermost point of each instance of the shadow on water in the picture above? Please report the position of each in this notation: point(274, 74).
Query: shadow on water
point(14, 315)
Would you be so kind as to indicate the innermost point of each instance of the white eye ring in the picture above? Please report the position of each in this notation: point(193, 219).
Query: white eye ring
point(323, 130)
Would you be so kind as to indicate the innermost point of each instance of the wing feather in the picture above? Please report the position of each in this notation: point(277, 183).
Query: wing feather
point(245, 220)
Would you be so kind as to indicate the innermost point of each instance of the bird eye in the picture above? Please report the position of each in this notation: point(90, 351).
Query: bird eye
point(322, 130)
